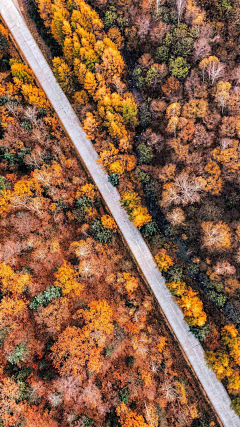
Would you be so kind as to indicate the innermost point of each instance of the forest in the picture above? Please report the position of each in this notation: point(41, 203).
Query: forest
point(156, 88)
point(82, 341)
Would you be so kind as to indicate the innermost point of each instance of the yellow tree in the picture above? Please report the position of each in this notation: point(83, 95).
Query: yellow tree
point(138, 214)
point(234, 383)
point(79, 348)
point(162, 342)
point(88, 190)
point(66, 280)
point(21, 72)
point(48, 175)
point(27, 195)
point(109, 223)
point(117, 130)
point(98, 320)
point(212, 66)
point(214, 182)
point(229, 332)
point(177, 288)
point(192, 308)
point(63, 73)
point(5, 206)
point(195, 108)
point(163, 260)
point(90, 83)
point(59, 18)
point(173, 110)
point(80, 70)
point(45, 9)
point(112, 63)
point(13, 312)
point(35, 96)
point(231, 338)
point(117, 167)
point(91, 126)
point(108, 156)
point(130, 200)
point(86, 17)
point(222, 93)
point(11, 281)
point(131, 283)
point(130, 418)
point(115, 35)
point(220, 364)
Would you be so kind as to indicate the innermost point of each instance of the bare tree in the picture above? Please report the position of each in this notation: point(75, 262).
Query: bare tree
point(201, 49)
point(143, 24)
point(169, 390)
point(213, 67)
point(222, 98)
point(31, 114)
point(35, 158)
point(159, 3)
point(12, 107)
point(184, 190)
point(214, 70)
point(181, 6)
point(225, 143)
point(188, 188)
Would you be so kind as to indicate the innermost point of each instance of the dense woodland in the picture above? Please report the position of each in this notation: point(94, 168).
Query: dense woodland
point(185, 74)
point(82, 342)
point(156, 86)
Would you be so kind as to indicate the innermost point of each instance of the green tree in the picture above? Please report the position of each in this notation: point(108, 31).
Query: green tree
point(87, 421)
point(114, 179)
point(182, 42)
point(200, 332)
point(149, 229)
point(175, 274)
point(145, 153)
point(142, 176)
point(225, 6)
point(138, 77)
point(162, 53)
point(235, 405)
point(104, 235)
point(124, 395)
point(110, 17)
point(3, 45)
point(18, 354)
point(130, 112)
point(183, 47)
point(83, 203)
point(2, 183)
point(179, 67)
point(219, 299)
point(144, 114)
point(203, 422)
point(52, 292)
point(153, 77)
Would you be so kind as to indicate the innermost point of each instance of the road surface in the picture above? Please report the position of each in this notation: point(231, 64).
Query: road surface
point(191, 346)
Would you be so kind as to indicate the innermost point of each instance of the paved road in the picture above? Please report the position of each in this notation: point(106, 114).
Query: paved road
point(191, 346)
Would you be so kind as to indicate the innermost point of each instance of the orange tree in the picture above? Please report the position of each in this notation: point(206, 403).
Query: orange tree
point(76, 348)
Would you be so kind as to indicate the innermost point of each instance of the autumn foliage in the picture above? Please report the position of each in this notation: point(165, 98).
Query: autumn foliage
point(79, 334)
point(167, 132)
